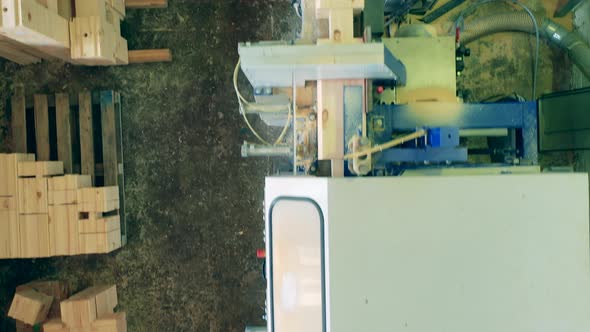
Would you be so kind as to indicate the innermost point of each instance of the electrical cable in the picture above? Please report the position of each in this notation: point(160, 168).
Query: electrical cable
point(469, 10)
point(242, 101)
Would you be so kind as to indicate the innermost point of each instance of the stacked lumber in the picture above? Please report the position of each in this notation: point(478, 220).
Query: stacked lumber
point(31, 30)
point(47, 304)
point(36, 302)
point(95, 33)
point(44, 213)
point(91, 310)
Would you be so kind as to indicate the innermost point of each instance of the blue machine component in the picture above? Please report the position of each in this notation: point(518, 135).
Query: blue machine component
point(385, 120)
point(428, 154)
point(443, 137)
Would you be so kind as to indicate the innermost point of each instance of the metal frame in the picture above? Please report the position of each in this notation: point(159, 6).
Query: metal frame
point(387, 119)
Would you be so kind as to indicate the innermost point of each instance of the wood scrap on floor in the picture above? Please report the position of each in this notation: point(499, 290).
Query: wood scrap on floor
point(45, 305)
point(87, 33)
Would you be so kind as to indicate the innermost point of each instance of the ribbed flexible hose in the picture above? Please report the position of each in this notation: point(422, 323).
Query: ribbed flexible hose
point(571, 42)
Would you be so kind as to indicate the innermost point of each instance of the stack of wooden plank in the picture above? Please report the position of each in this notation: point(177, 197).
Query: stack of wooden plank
point(47, 304)
point(36, 302)
point(95, 33)
point(31, 30)
point(91, 310)
point(47, 214)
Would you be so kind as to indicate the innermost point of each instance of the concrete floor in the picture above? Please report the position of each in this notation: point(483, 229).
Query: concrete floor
point(194, 206)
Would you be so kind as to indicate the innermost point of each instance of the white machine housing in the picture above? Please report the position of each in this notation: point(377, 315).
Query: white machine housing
point(490, 253)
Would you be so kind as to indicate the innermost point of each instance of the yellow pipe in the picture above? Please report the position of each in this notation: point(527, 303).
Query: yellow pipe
point(388, 145)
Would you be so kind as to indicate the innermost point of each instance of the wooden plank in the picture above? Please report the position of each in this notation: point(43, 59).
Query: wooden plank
point(330, 119)
point(101, 225)
point(33, 196)
point(11, 52)
point(86, 8)
point(69, 182)
point(64, 9)
point(119, 6)
point(109, 139)
point(146, 3)
point(42, 127)
point(8, 228)
point(64, 131)
point(100, 243)
point(93, 41)
point(19, 120)
point(79, 310)
point(63, 230)
point(58, 290)
point(9, 172)
point(34, 235)
point(31, 23)
point(54, 325)
point(116, 322)
point(30, 307)
point(40, 168)
point(106, 300)
point(146, 56)
point(62, 197)
point(86, 134)
point(122, 52)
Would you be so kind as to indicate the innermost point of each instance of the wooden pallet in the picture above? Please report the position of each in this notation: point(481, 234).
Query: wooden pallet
point(83, 131)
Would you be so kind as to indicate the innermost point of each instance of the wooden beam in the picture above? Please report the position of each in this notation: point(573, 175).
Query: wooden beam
point(42, 127)
point(146, 56)
point(146, 3)
point(64, 130)
point(19, 120)
point(86, 135)
point(109, 139)
point(12, 53)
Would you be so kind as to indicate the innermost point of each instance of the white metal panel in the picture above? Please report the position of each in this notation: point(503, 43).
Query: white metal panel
point(476, 253)
point(314, 189)
point(274, 65)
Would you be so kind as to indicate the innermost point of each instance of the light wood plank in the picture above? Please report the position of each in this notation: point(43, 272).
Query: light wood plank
point(63, 230)
point(116, 322)
point(32, 196)
point(64, 131)
point(31, 23)
point(9, 172)
point(19, 120)
point(40, 168)
point(146, 3)
point(146, 56)
point(100, 243)
point(30, 307)
point(109, 140)
point(86, 134)
point(42, 127)
point(69, 182)
point(100, 225)
point(34, 235)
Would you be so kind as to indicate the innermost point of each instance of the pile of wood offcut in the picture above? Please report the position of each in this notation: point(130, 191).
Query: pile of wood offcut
point(82, 32)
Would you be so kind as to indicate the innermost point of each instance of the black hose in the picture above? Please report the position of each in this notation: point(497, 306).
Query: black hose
point(571, 42)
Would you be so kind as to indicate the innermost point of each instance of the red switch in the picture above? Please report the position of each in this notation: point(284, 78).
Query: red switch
point(261, 253)
point(380, 89)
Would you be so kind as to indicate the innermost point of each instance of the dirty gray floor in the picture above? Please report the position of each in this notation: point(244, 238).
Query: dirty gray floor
point(194, 206)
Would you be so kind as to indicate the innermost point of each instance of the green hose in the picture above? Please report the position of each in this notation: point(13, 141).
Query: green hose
point(571, 42)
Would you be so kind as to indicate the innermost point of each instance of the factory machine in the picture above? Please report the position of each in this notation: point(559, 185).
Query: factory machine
point(382, 217)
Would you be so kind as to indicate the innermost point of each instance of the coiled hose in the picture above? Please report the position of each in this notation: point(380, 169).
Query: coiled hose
point(571, 42)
